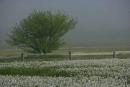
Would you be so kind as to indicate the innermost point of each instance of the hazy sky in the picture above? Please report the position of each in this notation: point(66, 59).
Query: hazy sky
point(98, 20)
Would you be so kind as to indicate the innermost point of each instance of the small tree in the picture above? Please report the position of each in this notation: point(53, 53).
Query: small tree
point(41, 32)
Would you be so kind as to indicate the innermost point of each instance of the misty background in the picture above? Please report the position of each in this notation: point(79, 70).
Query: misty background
point(99, 22)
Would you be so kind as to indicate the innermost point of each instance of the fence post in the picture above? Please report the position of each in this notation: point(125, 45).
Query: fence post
point(22, 56)
point(114, 54)
point(69, 55)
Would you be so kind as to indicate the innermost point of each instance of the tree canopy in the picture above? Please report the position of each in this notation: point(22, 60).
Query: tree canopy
point(41, 31)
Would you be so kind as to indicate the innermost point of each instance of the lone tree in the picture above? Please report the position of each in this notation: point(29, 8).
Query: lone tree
point(41, 31)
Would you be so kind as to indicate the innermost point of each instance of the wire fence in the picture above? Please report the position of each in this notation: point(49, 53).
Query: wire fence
point(70, 55)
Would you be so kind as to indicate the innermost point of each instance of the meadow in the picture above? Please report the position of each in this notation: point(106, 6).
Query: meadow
point(88, 68)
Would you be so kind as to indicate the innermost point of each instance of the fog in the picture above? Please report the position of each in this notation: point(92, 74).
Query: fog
point(98, 21)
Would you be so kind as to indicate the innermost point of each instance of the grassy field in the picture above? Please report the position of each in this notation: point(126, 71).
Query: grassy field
point(77, 53)
point(87, 68)
point(75, 73)
point(10, 52)
point(15, 52)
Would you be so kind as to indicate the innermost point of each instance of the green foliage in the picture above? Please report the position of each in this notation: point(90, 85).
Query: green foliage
point(41, 32)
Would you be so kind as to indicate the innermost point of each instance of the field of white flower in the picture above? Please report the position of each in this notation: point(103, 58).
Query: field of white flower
point(85, 73)
point(35, 81)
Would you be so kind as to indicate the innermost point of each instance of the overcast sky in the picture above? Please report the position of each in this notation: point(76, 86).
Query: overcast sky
point(98, 20)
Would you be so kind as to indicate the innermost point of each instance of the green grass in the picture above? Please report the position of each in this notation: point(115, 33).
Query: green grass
point(46, 71)
point(10, 52)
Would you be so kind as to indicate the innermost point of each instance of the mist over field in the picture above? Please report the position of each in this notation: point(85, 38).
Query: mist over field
point(96, 52)
point(98, 21)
